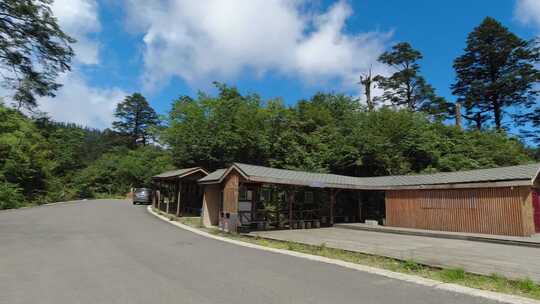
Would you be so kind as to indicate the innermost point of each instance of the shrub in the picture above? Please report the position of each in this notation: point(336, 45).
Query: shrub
point(527, 285)
point(10, 196)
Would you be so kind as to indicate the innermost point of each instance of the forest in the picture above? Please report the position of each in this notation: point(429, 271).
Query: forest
point(408, 129)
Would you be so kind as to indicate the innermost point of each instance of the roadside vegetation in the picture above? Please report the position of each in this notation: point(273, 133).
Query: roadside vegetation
point(524, 287)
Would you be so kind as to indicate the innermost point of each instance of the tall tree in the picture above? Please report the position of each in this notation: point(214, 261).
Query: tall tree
point(406, 87)
point(366, 81)
point(497, 71)
point(33, 50)
point(135, 119)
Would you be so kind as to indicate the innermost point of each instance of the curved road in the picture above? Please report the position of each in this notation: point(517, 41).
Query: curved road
point(108, 251)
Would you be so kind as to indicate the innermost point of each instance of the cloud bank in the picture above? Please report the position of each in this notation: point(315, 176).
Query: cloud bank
point(79, 18)
point(200, 41)
point(83, 104)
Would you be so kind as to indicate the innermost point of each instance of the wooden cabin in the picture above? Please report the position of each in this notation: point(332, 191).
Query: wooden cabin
point(492, 201)
point(177, 192)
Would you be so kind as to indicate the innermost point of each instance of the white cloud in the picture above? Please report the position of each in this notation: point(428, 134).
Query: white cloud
point(80, 103)
point(218, 40)
point(79, 19)
point(77, 101)
point(528, 12)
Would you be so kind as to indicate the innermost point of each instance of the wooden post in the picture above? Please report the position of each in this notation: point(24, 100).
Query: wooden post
point(332, 203)
point(178, 198)
point(158, 203)
point(291, 199)
point(168, 200)
point(359, 219)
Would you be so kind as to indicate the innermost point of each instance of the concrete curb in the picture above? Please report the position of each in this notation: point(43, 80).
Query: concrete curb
point(490, 295)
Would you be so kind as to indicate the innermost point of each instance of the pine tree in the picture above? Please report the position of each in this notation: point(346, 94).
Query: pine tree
point(136, 119)
point(406, 87)
point(496, 72)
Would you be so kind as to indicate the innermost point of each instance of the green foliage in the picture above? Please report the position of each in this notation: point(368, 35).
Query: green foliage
point(34, 49)
point(44, 161)
point(10, 196)
point(327, 133)
point(118, 172)
point(50, 161)
point(24, 157)
point(532, 119)
point(497, 71)
point(406, 86)
point(527, 285)
point(136, 119)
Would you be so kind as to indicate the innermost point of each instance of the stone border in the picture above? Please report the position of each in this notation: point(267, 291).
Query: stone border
point(490, 295)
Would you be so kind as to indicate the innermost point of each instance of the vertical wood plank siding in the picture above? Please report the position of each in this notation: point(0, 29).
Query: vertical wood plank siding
point(230, 193)
point(504, 211)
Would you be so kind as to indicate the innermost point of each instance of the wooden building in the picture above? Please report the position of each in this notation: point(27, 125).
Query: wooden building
point(177, 192)
point(492, 201)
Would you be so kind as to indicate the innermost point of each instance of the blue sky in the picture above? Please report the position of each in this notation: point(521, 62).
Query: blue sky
point(289, 49)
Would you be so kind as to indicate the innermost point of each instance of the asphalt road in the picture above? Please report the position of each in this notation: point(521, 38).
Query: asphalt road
point(112, 252)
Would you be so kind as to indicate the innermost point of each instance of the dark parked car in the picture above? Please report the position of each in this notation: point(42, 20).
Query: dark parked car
point(142, 195)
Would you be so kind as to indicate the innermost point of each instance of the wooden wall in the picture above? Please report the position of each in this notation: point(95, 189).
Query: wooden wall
point(230, 193)
point(211, 204)
point(503, 211)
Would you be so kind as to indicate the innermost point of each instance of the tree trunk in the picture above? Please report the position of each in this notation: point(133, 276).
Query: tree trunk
point(497, 113)
point(458, 115)
point(478, 120)
point(366, 82)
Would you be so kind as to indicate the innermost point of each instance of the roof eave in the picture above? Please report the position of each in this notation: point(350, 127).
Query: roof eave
point(180, 176)
point(487, 184)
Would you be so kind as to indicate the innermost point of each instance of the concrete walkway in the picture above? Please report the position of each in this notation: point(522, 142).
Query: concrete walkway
point(532, 241)
point(477, 257)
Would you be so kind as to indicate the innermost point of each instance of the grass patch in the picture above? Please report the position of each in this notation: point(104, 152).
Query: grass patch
point(452, 274)
point(193, 221)
point(525, 287)
point(412, 266)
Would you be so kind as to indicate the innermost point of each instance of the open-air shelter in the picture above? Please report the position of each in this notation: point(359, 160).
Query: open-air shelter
point(177, 192)
point(492, 201)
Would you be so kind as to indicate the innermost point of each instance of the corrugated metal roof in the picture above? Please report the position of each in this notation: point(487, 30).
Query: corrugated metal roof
point(213, 176)
point(297, 177)
point(178, 173)
point(259, 173)
point(521, 172)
